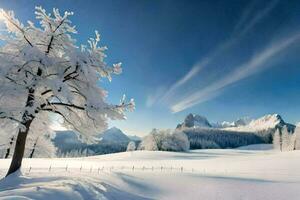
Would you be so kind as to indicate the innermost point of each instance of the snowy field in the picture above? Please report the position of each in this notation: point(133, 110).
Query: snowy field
point(233, 174)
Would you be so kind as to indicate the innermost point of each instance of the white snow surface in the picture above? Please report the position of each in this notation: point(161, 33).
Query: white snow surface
point(223, 174)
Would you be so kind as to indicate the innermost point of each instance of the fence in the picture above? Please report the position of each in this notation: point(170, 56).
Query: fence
point(93, 169)
point(161, 169)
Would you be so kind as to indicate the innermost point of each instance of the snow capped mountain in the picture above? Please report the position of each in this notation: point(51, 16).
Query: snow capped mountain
point(109, 141)
point(195, 121)
point(113, 135)
point(267, 122)
point(110, 135)
point(134, 138)
point(263, 127)
point(240, 122)
point(225, 124)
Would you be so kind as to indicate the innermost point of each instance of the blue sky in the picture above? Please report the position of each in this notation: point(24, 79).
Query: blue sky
point(221, 59)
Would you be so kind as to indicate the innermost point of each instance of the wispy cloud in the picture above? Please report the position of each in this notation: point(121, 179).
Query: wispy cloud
point(242, 28)
point(154, 96)
point(257, 63)
point(244, 17)
point(165, 97)
point(257, 18)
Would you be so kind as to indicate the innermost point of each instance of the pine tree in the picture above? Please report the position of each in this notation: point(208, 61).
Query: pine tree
point(285, 139)
point(277, 140)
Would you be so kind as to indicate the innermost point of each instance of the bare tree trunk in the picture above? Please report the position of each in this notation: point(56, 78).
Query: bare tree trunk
point(10, 146)
point(27, 117)
point(17, 158)
point(33, 149)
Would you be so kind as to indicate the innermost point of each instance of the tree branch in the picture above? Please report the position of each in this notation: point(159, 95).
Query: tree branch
point(59, 113)
point(52, 37)
point(68, 105)
point(19, 28)
point(45, 92)
point(8, 117)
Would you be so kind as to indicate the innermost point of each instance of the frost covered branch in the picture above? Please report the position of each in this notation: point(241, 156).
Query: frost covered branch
point(43, 70)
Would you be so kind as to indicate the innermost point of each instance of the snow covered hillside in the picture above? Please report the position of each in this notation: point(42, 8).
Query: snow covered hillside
point(233, 174)
point(110, 141)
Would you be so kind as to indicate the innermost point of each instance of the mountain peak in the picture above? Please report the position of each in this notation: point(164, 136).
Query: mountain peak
point(113, 135)
point(264, 123)
point(193, 120)
point(268, 121)
point(114, 129)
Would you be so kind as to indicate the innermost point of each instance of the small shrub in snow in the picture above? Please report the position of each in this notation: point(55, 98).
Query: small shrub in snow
point(131, 146)
point(148, 143)
point(177, 141)
point(165, 140)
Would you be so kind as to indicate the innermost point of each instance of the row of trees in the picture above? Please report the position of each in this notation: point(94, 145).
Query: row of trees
point(284, 140)
point(75, 153)
point(208, 138)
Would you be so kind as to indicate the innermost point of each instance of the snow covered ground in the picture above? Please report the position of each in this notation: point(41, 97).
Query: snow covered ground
point(233, 174)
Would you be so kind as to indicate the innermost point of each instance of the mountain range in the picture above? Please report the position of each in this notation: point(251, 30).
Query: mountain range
point(195, 126)
point(267, 122)
point(110, 141)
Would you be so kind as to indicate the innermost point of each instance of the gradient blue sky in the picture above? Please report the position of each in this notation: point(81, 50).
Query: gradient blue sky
point(221, 59)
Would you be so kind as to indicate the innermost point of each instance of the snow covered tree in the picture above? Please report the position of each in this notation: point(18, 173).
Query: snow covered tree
point(148, 143)
point(131, 146)
point(39, 140)
point(288, 139)
point(292, 144)
point(10, 145)
point(285, 138)
point(44, 72)
point(7, 138)
point(177, 141)
point(297, 138)
point(165, 140)
point(202, 138)
point(42, 147)
point(277, 140)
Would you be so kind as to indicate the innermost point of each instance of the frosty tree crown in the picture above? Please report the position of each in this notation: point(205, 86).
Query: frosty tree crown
point(43, 71)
